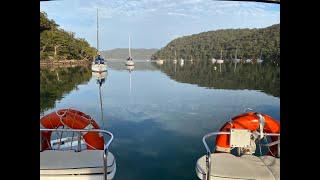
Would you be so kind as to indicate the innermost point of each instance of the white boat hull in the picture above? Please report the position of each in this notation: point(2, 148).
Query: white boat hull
point(219, 61)
point(259, 61)
point(160, 62)
point(99, 67)
point(129, 63)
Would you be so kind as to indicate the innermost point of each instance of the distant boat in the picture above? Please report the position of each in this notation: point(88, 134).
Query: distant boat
point(175, 57)
point(129, 60)
point(99, 64)
point(159, 61)
point(236, 60)
point(248, 61)
point(220, 61)
point(259, 60)
point(181, 62)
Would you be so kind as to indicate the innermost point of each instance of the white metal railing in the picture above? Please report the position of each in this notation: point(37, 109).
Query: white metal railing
point(105, 148)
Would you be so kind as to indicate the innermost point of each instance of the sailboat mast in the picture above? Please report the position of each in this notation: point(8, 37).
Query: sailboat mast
point(175, 54)
point(129, 47)
point(97, 31)
point(236, 53)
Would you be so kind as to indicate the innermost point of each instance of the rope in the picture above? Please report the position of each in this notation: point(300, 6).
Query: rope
point(262, 122)
point(64, 125)
point(251, 149)
point(90, 145)
point(271, 144)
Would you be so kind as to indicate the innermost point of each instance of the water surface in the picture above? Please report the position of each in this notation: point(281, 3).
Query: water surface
point(159, 112)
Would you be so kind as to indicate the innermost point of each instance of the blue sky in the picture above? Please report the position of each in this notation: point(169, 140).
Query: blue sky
point(154, 23)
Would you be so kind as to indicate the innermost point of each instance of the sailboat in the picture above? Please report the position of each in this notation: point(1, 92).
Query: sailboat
point(175, 57)
point(220, 61)
point(181, 62)
point(129, 60)
point(98, 65)
point(236, 60)
point(213, 60)
point(259, 60)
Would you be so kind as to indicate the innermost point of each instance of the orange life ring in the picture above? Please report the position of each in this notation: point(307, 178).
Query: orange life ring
point(248, 121)
point(73, 119)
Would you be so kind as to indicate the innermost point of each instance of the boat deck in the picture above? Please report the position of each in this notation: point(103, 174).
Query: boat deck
point(55, 163)
point(228, 166)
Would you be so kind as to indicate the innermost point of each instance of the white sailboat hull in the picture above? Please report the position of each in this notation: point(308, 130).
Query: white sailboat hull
point(160, 62)
point(259, 61)
point(129, 63)
point(99, 67)
point(219, 61)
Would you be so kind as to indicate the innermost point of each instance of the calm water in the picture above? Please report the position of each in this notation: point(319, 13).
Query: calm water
point(159, 113)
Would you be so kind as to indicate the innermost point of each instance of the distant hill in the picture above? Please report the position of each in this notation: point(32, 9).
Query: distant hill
point(208, 45)
point(123, 53)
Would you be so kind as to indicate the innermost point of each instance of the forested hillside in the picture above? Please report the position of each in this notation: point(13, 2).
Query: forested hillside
point(207, 45)
point(58, 44)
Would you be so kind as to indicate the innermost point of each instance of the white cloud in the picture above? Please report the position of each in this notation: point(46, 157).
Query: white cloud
point(178, 14)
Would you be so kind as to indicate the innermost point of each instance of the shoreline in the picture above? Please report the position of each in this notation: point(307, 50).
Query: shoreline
point(65, 62)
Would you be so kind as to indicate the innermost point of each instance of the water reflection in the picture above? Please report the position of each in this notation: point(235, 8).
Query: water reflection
point(55, 82)
point(100, 77)
point(165, 116)
point(130, 69)
point(231, 75)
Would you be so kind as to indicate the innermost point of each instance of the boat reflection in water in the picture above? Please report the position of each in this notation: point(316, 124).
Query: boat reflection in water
point(130, 69)
point(100, 77)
